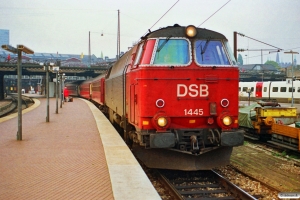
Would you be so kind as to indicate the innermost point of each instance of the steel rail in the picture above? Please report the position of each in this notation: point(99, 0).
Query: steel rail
point(169, 186)
point(237, 191)
point(212, 183)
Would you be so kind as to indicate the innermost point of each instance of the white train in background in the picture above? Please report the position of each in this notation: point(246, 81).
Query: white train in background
point(280, 90)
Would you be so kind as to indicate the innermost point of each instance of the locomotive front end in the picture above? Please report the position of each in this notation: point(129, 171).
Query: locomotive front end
point(183, 98)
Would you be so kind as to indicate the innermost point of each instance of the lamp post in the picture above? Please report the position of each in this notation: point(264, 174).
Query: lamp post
point(90, 56)
point(61, 81)
point(56, 70)
point(292, 52)
point(56, 93)
point(20, 48)
point(47, 69)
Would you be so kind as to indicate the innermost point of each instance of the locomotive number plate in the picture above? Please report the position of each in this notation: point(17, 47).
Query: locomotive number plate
point(193, 111)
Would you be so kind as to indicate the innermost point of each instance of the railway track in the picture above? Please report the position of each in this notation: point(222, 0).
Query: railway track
point(281, 150)
point(200, 185)
point(27, 101)
point(12, 106)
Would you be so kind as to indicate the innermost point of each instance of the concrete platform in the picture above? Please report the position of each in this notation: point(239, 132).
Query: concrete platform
point(77, 155)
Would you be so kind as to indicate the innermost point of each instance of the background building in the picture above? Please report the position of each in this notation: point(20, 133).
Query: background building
point(4, 36)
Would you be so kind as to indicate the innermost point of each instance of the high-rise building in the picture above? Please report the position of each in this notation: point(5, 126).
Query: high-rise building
point(4, 36)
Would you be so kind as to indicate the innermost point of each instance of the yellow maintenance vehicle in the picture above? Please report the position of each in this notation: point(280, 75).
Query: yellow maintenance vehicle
point(268, 121)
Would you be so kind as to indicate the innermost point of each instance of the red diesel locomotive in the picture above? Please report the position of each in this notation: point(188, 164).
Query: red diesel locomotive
point(175, 96)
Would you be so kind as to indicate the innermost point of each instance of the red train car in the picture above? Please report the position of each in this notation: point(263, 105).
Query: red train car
point(93, 89)
point(176, 92)
point(98, 89)
point(85, 89)
point(73, 87)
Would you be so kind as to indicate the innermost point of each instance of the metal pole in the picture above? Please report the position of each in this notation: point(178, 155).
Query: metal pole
point(118, 36)
point(89, 49)
point(261, 56)
point(235, 45)
point(60, 90)
point(19, 134)
point(47, 92)
point(63, 89)
point(56, 93)
point(292, 52)
point(292, 80)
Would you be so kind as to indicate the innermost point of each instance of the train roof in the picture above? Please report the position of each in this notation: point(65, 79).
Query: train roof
point(179, 31)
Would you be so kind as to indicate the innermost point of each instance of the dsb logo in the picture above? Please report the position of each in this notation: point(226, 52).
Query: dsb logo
point(192, 90)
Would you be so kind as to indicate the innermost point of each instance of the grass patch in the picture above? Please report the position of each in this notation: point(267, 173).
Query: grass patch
point(294, 157)
point(285, 155)
point(277, 154)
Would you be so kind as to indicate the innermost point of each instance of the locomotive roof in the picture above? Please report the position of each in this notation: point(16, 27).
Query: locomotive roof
point(171, 31)
point(179, 31)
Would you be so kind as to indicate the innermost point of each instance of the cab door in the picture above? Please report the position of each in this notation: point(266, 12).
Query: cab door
point(133, 102)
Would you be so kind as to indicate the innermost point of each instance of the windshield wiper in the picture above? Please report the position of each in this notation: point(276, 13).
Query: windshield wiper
point(205, 47)
point(163, 44)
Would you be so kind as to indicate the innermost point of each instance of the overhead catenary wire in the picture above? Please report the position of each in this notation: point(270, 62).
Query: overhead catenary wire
point(259, 41)
point(255, 56)
point(214, 13)
point(161, 17)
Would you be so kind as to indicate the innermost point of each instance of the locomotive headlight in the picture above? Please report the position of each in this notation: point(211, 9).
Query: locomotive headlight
point(227, 120)
point(191, 31)
point(162, 121)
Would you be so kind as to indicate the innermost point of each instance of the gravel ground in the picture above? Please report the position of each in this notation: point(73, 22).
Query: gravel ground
point(253, 187)
point(267, 166)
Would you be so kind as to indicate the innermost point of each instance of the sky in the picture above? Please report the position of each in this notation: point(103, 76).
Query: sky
point(64, 26)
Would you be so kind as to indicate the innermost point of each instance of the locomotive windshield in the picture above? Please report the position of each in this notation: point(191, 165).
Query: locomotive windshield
point(210, 53)
point(172, 52)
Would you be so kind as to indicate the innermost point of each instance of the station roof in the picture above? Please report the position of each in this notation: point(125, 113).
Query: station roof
point(49, 56)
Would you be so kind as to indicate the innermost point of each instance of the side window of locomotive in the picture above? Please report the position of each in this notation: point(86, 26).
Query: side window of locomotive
point(231, 56)
point(210, 53)
point(172, 52)
point(147, 52)
point(138, 56)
